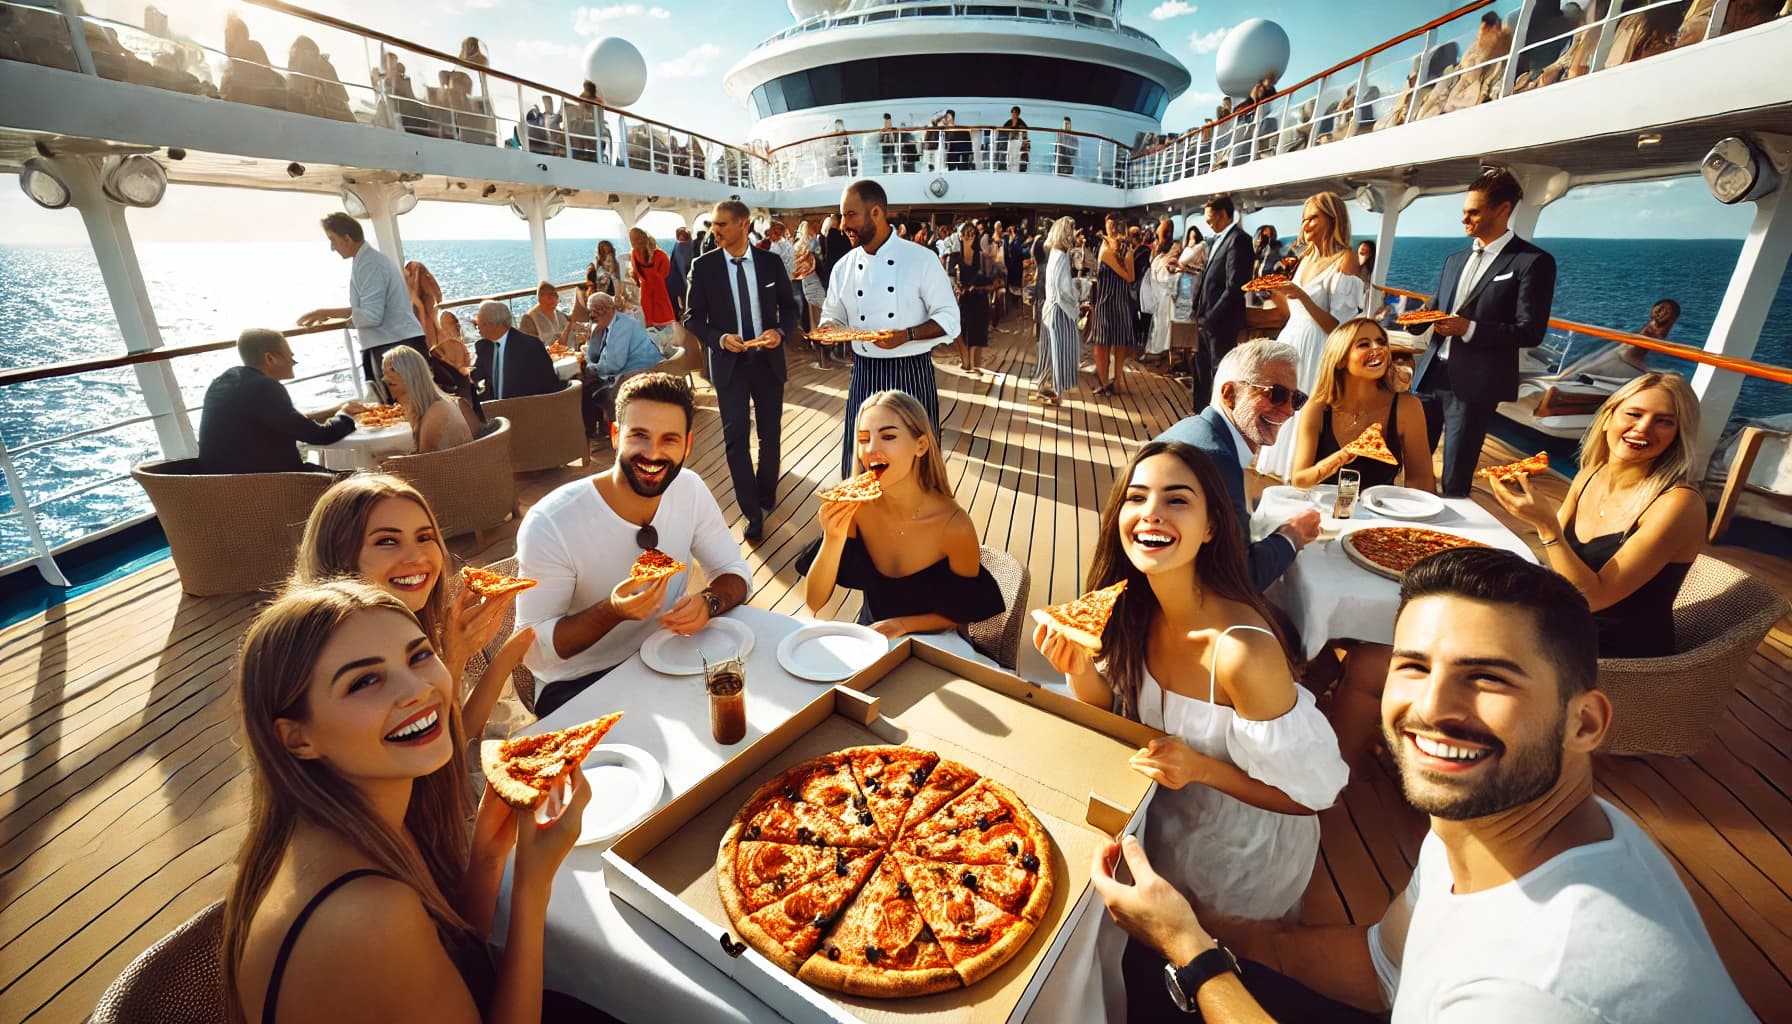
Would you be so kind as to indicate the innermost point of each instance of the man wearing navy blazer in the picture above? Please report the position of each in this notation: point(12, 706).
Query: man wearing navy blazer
point(1219, 297)
point(1499, 292)
point(1245, 416)
point(508, 363)
point(741, 306)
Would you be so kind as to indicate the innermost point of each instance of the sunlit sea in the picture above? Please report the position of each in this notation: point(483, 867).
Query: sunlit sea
point(54, 308)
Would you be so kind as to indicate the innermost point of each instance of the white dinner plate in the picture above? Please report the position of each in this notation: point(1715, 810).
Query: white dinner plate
point(1402, 502)
point(625, 788)
point(674, 655)
point(831, 651)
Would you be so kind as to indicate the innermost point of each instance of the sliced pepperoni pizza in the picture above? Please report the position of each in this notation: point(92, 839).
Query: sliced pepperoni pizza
point(524, 770)
point(1266, 282)
point(977, 935)
point(863, 487)
point(789, 930)
point(890, 777)
point(1413, 317)
point(881, 946)
point(487, 583)
point(1370, 444)
point(1083, 619)
point(654, 564)
point(1538, 463)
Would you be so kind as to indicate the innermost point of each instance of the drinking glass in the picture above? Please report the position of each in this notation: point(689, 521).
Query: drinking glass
point(725, 681)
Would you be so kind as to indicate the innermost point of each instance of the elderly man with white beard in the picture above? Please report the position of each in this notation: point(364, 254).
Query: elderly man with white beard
point(1253, 398)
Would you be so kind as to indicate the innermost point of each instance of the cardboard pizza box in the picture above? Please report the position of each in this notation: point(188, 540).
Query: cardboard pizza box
point(1067, 760)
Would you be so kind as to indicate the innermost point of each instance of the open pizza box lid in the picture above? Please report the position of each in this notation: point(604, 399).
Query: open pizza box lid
point(1067, 760)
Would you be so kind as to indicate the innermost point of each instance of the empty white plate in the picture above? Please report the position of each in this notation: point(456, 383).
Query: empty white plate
point(831, 651)
point(1402, 502)
point(625, 788)
point(719, 639)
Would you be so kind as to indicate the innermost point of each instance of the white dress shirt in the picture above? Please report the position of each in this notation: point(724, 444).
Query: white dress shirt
point(748, 331)
point(379, 304)
point(1472, 272)
point(901, 285)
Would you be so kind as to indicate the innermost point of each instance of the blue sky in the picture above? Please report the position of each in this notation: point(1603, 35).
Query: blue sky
point(689, 44)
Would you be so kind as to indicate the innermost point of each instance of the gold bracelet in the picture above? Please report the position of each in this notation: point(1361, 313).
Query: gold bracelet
point(1548, 543)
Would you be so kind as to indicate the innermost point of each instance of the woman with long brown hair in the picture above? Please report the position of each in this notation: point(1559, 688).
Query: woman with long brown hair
point(358, 776)
point(381, 530)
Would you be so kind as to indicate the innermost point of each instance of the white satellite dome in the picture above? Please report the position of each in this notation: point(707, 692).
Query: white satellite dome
point(803, 10)
point(1251, 50)
point(617, 69)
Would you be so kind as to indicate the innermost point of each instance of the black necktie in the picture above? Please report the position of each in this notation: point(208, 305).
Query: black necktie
point(746, 297)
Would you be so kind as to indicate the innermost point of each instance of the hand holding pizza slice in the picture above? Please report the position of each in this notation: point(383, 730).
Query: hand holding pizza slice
point(1538, 463)
point(1268, 282)
point(653, 565)
point(1414, 317)
point(487, 583)
point(525, 770)
point(863, 487)
point(1083, 619)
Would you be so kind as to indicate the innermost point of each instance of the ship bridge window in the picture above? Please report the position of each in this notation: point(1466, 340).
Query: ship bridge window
point(1016, 76)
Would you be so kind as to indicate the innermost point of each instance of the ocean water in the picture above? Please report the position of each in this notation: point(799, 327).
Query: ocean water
point(54, 308)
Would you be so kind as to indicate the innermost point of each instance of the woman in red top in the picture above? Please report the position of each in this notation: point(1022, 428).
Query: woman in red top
point(649, 265)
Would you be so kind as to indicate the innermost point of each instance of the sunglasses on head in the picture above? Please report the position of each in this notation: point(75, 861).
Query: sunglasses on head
point(1279, 393)
point(647, 538)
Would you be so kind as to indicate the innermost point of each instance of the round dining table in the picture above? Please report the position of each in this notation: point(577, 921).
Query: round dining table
point(363, 449)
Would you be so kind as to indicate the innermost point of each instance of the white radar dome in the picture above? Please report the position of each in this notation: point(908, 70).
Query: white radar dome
point(617, 69)
point(1253, 49)
point(803, 10)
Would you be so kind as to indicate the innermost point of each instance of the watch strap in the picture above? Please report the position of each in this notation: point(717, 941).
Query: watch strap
point(1187, 980)
point(712, 601)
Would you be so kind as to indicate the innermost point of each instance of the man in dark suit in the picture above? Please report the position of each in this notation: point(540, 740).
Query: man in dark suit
point(1245, 416)
point(741, 306)
point(249, 424)
point(508, 363)
point(1219, 298)
point(1499, 291)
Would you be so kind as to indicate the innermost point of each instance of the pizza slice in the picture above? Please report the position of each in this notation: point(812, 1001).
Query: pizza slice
point(525, 769)
point(1083, 619)
point(756, 874)
point(886, 779)
point(789, 930)
point(863, 487)
point(1538, 463)
point(1025, 894)
point(1266, 282)
point(977, 935)
point(981, 807)
point(1422, 316)
point(654, 564)
point(881, 946)
point(487, 583)
point(841, 335)
point(928, 791)
point(817, 803)
point(1370, 444)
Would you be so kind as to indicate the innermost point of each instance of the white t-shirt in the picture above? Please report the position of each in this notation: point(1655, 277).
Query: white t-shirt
point(902, 285)
point(1602, 933)
point(577, 549)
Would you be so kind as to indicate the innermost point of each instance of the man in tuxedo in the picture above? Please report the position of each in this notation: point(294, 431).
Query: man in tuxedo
point(1499, 292)
point(741, 306)
point(1244, 417)
point(249, 424)
point(507, 362)
point(1219, 298)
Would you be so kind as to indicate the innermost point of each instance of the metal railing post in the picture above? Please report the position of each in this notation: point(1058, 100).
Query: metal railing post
point(1318, 116)
point(41, 557)
point(1520, 29)
point(1418, 76)
point(1361, 90)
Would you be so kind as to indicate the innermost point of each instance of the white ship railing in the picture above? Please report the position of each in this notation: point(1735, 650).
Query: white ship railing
point(1049, 152)
point(1052, 12)
point(1430, 71)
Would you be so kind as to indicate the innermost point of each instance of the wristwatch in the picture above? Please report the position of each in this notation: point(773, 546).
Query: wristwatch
point(713, 600)
point(1183, 982)
point(911, 334)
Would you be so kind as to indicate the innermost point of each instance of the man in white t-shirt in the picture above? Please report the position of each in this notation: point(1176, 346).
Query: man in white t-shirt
point(580, 541)
point(1532, 900)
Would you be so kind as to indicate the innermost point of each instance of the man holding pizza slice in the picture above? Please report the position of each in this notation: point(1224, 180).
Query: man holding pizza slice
point(592, 607)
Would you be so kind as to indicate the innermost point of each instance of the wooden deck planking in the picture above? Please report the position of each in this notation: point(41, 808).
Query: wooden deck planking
point(123, 792)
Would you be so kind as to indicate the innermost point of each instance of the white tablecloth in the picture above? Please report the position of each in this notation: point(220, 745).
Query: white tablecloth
point(600, 949)
point(364, 448)
point(567, 367)
point(1331, 597)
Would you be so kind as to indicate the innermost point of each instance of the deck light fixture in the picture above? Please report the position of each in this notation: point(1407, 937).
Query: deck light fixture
point(41, 182)
point(1369, 199)
point(1647, 139)
point(352, 204)
point(1736, 171)
point(405, 201)
point(134, 180)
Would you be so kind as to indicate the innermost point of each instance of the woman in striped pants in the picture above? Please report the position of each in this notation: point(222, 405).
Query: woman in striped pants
point(1059, 344)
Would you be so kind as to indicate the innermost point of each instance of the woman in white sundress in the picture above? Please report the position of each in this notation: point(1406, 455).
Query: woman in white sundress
point(1191, 649)
point(1326, 291)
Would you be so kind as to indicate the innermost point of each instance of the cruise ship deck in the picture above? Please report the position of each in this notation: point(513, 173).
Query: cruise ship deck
point(124, 795)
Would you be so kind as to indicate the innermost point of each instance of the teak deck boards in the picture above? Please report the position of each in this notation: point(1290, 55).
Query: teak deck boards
point(123, 795)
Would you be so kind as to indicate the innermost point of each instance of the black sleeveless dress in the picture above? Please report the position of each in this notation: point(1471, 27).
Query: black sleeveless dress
point(1641, 625)
point(935, 590)
point(1374, 472)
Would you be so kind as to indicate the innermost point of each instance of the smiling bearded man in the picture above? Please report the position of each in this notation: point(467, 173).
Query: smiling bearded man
point(580, 541)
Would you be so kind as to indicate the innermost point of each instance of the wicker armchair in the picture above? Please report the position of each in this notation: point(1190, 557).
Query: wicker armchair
point(179, 980)
point(204, 515)
point(546, 431)
point(521, 678)
point(470, 486)
point(1671, 705)
point(998, 637)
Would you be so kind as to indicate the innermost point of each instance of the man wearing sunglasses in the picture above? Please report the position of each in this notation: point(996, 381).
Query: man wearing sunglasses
point(1253, 397)
point(581, 540)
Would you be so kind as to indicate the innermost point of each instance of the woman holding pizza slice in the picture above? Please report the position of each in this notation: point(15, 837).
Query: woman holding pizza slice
point(912, 551)
point(1192, 649)
point(380, 529)
point(360, 892)
point(1355, 391)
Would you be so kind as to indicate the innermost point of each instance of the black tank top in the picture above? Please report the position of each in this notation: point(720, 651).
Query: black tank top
point(1641, 625)
point(474, 965)
point(1374, 473)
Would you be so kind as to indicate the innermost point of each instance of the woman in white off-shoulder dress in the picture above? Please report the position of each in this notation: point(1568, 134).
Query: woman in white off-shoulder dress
point(1327, 290)
point(1190, 649)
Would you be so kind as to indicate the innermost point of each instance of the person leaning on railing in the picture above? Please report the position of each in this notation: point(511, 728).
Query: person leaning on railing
point(249, 424)
point(379, 300)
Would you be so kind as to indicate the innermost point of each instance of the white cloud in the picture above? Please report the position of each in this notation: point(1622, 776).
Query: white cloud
point(591, 21)
point(1206, 42)
point(479, 5)
point(1171, 9)
point(694, 64)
